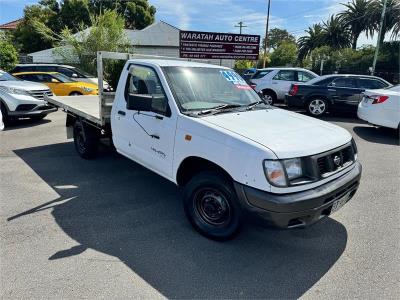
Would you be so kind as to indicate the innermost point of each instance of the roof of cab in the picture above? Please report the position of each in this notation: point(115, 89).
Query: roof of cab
point(34, 72)
point(176, 63)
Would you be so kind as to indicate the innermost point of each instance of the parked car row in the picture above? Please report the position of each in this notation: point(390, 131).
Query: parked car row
point(317, 95)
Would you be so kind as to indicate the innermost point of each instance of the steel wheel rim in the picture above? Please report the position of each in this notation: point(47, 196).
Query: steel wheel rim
point(212, 206)
point(317, 107)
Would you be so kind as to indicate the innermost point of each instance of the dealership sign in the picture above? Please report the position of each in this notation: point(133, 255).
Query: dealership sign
point(213, 45)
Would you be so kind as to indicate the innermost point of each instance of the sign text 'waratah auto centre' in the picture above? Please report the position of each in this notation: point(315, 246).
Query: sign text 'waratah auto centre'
point(213, 45)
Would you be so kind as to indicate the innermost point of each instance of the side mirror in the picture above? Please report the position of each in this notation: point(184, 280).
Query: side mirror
point(139, 102)
point(74, 75)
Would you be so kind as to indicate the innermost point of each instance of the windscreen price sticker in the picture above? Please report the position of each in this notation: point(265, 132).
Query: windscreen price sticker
point(233, 78)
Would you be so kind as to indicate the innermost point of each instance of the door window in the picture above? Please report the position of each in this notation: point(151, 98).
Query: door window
point(344, 82)
point(304, 76)
point(369, 83)
point(286, 75)
point(144, 81)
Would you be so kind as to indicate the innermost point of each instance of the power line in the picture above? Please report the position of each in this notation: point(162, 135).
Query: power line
point(240, 25)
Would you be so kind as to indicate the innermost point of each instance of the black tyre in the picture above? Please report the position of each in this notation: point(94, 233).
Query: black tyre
point(75, 94)
point(86, 140)
point(317, 107)
point(211, 205)
point(269, 97)
point(4, 113)
point(38, 118)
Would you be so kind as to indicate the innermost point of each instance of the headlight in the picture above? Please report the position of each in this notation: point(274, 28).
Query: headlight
point(293, 168)
point(278, 171)
point(86, 89)
point(274, 172)
point(14, 91)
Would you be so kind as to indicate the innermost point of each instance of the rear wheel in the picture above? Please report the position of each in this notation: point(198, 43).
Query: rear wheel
point(210, 204)
point(317, 107)
point(269, 97)
point(75, 94)
point(86, 140)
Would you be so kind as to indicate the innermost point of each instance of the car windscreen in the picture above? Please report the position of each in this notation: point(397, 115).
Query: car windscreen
point(4, 76)
point(82, 74)
point(260, 74)
point(62, 78)
point(197, 88)
point(395, 88)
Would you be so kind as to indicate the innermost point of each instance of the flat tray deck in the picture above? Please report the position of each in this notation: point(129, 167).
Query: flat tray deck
point(87, 107)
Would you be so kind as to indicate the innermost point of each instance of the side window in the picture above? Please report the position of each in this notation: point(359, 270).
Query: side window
point(304, 76)
point(345, 82)
point(368, 83)
point(45, 68)
point(287, 75)
point(144, 81)
point(29, 77)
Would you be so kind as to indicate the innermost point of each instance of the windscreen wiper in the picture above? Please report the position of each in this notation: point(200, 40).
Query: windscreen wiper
point(217, 109)
point(254, 104)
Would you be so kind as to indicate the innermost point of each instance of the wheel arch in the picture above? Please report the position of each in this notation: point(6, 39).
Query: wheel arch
point(269, 90)
point(193, 165)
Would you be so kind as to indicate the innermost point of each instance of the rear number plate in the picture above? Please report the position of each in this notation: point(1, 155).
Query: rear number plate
point(339, 203)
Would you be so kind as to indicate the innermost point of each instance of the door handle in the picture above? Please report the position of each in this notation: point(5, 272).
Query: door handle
point(121, 112)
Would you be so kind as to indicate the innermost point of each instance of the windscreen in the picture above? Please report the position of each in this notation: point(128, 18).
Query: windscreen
point(62, 78)
point(204, 88)
point(260, 74)
point(4, 76)
point(82, 74)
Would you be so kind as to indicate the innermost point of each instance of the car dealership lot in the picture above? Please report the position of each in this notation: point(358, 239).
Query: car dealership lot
point(82, 229)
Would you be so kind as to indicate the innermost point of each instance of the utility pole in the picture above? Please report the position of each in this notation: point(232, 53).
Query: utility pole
point(266, 36)
point(240, 25)
point(379, 38)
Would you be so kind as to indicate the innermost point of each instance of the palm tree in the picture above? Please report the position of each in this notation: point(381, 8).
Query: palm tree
point(309, 42)
point(335, 34)
point(392, 17)
point(357, 18)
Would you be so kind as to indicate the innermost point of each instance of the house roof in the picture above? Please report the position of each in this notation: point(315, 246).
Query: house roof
point(157, 34)
point(10, 25)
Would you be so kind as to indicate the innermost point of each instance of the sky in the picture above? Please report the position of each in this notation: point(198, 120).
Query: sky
point(222, 15)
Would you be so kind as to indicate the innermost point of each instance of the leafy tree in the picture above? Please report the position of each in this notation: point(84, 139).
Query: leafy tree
point(27, 39)
point(335, 33)
point(285, 54)
point(138, 14)
point(244, 64)
point(74, 13)
point(357, 18)
point(8, 54)
point(276, 36)
point(313, 39)
point(391, 21)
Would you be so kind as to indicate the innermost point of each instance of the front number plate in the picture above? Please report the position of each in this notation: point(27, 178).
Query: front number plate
point(339, 203)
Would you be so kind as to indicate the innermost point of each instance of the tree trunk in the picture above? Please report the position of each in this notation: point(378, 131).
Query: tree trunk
point(354, 42)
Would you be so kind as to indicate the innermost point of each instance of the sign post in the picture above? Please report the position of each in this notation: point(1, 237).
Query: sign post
point(214, 45)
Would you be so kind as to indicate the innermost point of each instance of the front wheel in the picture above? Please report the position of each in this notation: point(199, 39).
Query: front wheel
point(317, 107)
point(85, 140)
point(210, 204)
point(269, 97)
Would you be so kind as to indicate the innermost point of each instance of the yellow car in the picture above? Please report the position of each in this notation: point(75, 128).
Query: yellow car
point(60, 84)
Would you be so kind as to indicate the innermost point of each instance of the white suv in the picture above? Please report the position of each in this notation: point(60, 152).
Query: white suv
point(274, 83)
point(20, 98)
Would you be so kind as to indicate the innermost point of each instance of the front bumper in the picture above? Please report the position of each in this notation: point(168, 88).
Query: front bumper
point(298, 209)
point(294, 101)
point(40, 110)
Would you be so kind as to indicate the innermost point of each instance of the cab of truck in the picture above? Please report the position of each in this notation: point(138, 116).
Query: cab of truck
point(205, 129)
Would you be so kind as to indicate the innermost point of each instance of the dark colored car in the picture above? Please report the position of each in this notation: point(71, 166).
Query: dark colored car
point(248, 73)
point(332, 93)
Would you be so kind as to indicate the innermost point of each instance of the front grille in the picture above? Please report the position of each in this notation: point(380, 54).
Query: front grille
point(39, 94)
point(333, 162)
point(25, 107)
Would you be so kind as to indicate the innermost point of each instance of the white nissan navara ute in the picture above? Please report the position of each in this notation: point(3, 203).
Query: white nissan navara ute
point(205, 129)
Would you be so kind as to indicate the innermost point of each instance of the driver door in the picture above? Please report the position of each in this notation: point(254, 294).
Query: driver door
point(146, 137)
